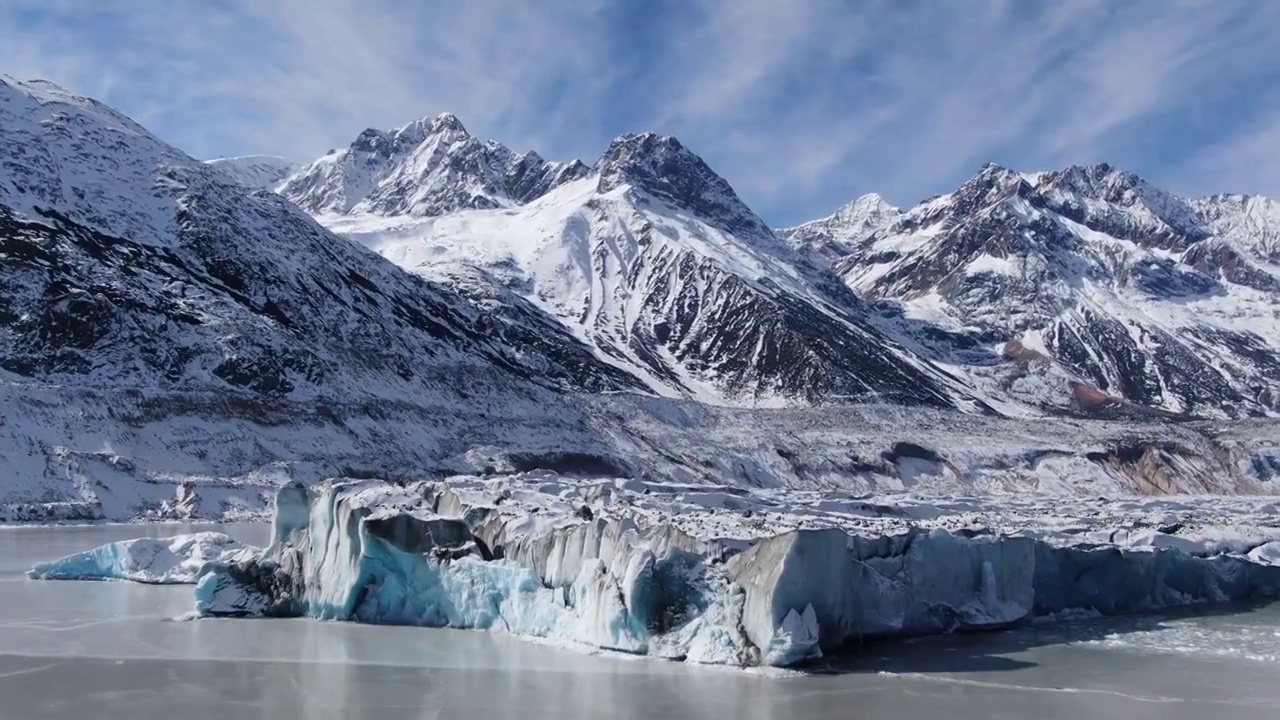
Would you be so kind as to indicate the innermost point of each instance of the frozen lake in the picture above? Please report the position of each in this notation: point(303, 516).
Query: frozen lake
point(112, 650)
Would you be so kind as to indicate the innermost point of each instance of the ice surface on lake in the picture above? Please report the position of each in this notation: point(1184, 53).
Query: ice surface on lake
point(172, 560)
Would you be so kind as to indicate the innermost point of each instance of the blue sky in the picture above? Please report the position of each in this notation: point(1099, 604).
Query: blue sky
point(800, 104)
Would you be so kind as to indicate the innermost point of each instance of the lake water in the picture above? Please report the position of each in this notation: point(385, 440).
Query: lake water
point(113, 650)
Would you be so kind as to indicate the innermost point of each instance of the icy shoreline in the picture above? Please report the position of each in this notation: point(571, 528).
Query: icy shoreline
point(703, 574)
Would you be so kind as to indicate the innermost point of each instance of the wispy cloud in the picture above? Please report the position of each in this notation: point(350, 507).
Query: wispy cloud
point(1246, 161)
point(800, 104)
point(299, 76)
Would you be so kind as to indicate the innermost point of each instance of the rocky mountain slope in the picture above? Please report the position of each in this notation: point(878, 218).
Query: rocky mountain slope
point(129, 263)
point(1086, 284)
point(151, 280)
point(648, 256)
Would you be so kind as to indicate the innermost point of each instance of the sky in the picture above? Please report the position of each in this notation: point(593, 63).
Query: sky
point(801, 105)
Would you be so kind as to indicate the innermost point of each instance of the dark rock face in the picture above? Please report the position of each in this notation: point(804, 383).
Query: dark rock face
point(436, 536)
point(1216, 257)
point(568, 463)
point(771, 342)
point(665, 169)
point(78, 302)
point(262, 587)
point(1162, 277)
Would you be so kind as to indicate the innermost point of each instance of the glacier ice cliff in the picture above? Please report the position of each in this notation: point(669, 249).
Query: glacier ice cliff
point(933, 582)
point(377, 553)
point(160, 561)
point(435, 555)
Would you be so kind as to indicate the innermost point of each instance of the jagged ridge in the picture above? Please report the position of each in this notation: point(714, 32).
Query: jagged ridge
point(655, 261)
point(1157, 300)
point(429, 167)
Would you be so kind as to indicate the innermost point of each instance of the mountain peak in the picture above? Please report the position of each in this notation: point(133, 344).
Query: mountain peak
point(1132, 208)
point(419, 131)
point(1090, 178)
point(994, 173)
point(842, 232)
point(430, 167)
point(664, 168)
point(990, 185)
point(447, 122)
point(47, 130)
point(634, 151)
point(46, 94)
point(864, 206)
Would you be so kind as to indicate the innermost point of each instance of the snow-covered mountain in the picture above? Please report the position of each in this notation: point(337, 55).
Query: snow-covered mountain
point(426, 168)
point(1083, 280)
point(649, 257)
point(137, 282)
point(841, 233)
point(128, 262)
point(261, 172)
point(175, 342)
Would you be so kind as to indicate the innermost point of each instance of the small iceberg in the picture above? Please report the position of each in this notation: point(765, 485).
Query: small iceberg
point(173, 560)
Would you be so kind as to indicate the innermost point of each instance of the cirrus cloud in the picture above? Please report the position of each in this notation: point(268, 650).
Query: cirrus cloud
point(801, 105)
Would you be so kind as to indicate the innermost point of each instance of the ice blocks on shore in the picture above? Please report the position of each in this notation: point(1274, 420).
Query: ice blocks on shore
point(160, 561)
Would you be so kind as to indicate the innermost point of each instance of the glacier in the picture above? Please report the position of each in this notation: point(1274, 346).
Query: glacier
point(518, 558)
point(158, 561)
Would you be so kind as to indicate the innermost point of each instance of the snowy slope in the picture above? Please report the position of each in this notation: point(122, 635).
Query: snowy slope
point(261, 172)
point(1092, 279)
point(653, 260)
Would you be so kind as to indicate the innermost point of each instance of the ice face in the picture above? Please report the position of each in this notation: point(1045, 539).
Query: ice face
point(174, 560)
point(371, 552)
point(918, 583)
point(1114, 581)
